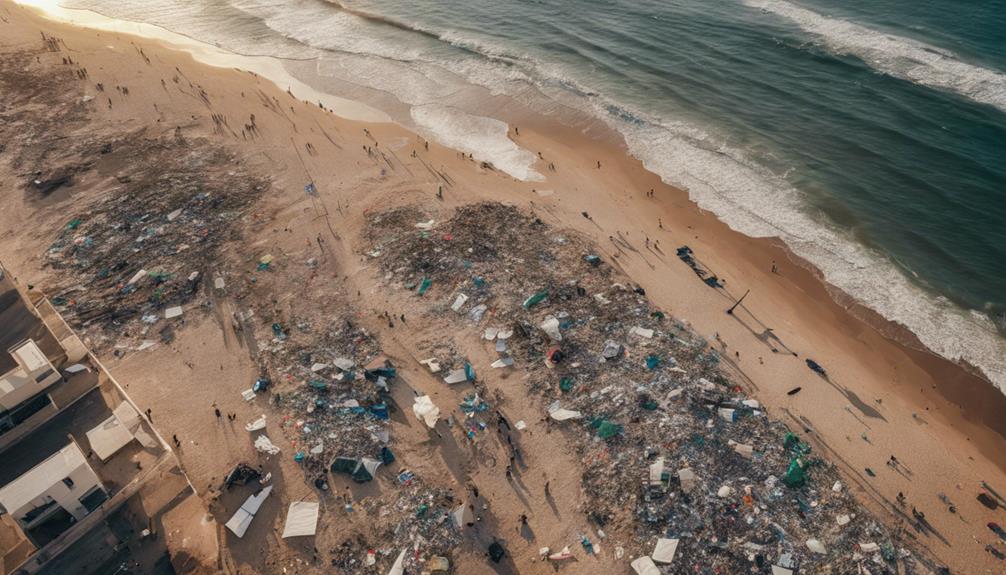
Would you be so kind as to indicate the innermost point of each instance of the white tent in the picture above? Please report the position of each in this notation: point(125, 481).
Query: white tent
point(301, 519)
point(242, 519)
point(462, 515)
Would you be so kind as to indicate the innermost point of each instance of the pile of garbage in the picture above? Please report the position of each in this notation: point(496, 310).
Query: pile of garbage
point(134, 260)
point(420, 519)
point(331, 382)
point(671, 448)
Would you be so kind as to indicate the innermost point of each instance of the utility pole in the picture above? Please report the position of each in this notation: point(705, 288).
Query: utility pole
point(731, 310)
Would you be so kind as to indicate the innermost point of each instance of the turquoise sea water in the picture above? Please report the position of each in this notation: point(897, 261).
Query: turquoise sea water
point(869, 135)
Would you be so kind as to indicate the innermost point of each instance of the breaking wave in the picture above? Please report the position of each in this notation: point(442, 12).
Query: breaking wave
point(896, 56)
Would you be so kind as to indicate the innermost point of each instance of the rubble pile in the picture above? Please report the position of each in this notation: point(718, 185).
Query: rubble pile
point(136, 256)
point(670, 447)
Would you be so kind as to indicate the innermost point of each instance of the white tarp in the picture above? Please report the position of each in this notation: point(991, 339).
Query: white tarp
point(426, 411)
point(398, 567)
point(551, 327)
point(559, 414)
point(665, 550)
point(687, 478)
point(263, 444)
point(657, 471)
point(642, 332)
point(456, 376)
point(256, 425)
point(645, 566)
point(242, 518)
point(301, 519)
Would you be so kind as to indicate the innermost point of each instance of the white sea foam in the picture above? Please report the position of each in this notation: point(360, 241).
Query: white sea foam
point(897, 56)
point(484, 138)
point(757, 203)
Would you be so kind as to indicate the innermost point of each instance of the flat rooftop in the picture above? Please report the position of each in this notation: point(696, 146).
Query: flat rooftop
point(20, 323)
point(87, 413)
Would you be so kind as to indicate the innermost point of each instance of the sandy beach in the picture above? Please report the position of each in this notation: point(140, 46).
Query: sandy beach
point(883, 396)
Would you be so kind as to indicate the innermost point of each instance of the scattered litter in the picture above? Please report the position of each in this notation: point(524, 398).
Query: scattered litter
point(173, 312)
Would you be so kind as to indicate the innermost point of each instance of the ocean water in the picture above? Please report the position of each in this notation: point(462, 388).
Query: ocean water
point(869, 135)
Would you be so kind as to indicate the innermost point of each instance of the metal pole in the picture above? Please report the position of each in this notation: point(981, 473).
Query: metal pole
point(731, 310)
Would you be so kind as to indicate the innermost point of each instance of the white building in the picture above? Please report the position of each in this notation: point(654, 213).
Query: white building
point(62, 486)
point(33, 374)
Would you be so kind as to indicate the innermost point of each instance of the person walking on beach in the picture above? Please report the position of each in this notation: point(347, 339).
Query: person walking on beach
point(216, 410)
point(149, 418)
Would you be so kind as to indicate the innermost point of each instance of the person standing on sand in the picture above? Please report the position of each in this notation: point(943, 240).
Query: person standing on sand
point(216, 410)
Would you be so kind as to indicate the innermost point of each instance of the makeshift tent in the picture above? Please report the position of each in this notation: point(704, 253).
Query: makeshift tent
point(462, 515)
point(242, 519)
point(426, 411)
point(301, 519)
point(362, 470)
point(496, 551)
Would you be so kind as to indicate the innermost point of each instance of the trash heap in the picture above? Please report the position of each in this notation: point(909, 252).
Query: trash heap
point(417, 518)
point(133, 260)
point(670, 447)
point(330, 380)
